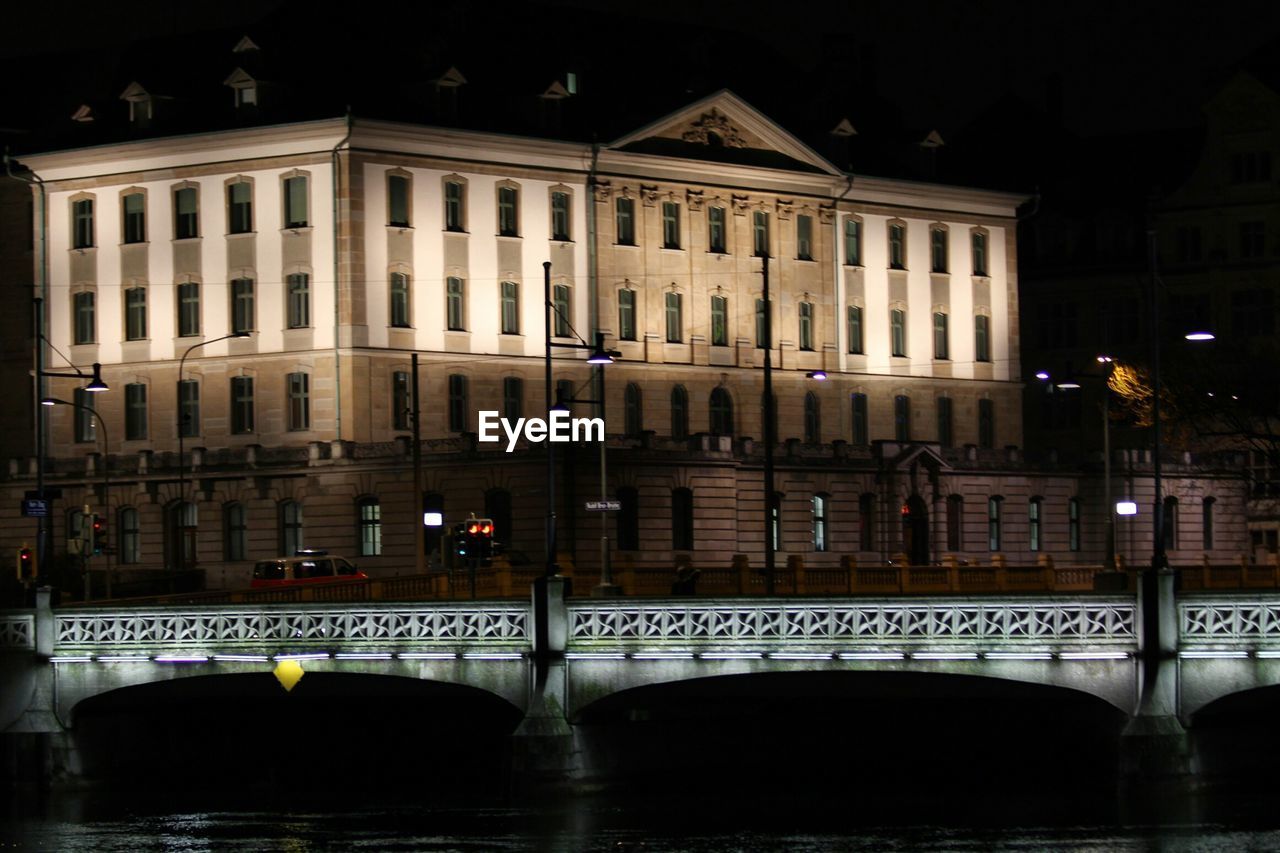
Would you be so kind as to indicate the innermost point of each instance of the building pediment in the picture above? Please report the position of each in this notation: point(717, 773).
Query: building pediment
point(726, 129)
point(902, 456)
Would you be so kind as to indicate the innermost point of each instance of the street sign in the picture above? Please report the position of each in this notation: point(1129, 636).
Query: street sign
point(35, 508)
point(604, 506)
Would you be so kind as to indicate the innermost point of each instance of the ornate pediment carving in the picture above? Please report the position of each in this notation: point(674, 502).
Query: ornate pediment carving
point(714, 128)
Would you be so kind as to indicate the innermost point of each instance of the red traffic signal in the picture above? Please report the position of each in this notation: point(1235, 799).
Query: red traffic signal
point(26, 564)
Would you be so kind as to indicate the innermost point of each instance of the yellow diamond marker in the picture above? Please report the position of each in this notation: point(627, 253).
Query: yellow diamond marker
point(288, 673)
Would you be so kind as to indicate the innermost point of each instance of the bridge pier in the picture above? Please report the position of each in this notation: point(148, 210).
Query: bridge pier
point(546, 757)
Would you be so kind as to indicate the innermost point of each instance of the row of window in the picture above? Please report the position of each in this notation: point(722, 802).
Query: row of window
point(243, 408)
point(243, 294)
point(368, 521)
point(295, 211)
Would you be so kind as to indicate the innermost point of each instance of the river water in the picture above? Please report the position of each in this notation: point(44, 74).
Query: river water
point(101, 822)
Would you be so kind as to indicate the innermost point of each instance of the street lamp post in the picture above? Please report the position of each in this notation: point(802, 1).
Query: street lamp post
point(769, 437)
point(106, 474)
point(182, 466)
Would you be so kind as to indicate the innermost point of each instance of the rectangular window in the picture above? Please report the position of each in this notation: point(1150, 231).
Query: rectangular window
point(400, 300)
point(240, 208)
point(806, 325)
point(1253, 239)
point(993, 523)
point(820, 522)
point(398, 200)
point(860, 432)
point(135, 218)
point(563, 308)
point(454, 209)
point(760, 234)
point(719, 321)
point(897, 247)
point(981, 338)
point(299, 387)
point(670, 225)
point(188, 309)
point(1033, 524)
point(135, 314)
point(854, 314)
point(189, 407)
point(716, 230)
point(944, 422)
point(559, 216)
point(510, 308)
point(941, 341)
point(295, 202)
point(853, 242)
point(1073, 524)
point(508, 212)
point(135, 411)
point(86, 427)
point(186, 216)
point(86, 327)
point(804, 237)
point(455, 304)
point(401, 401)
point(938, 249)
point(986, 423)
point(512, 398)
point(82, 216)
point(457, 403)
point(898, 332)
point(675, 321)
point(626, 315)
point(979, 253)
point(243, 310)
point(299, 289)
point(902, 417)
point(625, 218)
point(1253, 313)
point(241, 405)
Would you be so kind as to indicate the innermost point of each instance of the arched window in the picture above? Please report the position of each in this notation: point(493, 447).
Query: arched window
point(130, 544)
point(629, 519)
point(821, 504)
point(955, 523)
point(290, 527)
point(993, 522)
point(369, 523)
point(497, 506)
point(812, 419)
point(1033, 523)
point(234, 532)
point(682, 519)
point(633, 411)
point(1170, 523)
point(721, 412)
point(679, 413)
point(1207, 524)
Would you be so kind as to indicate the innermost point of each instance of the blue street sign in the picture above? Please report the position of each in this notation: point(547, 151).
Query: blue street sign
point(35, 508)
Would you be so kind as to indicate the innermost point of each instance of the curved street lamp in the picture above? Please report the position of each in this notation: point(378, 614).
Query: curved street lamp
point(106, 471)
point(182, 465)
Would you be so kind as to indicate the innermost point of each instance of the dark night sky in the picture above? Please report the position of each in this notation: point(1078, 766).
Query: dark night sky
point(1124, 66)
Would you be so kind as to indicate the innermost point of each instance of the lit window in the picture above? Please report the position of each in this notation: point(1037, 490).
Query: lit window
point(400, 300)
point(82, 219)
point(135, 218)
point(369, 518)
point(625, 210)
point(454, 206)
point(240, 207)
point(508, 212)
point(563, 307)
point(135, 314)
point(898, 332)
point(855, 329)
point(853, 242)
point(243, 311)
point(626, 315)
point(670, 225)
point(981, 338)
point(295, 202)
point(804, 237)
point(897, 247)
point(806, 325)
point(938, 249)
point(941, 342)
point(455, 303)
point(820, 503)
point(675, 320)
point(719, 321)
point(510, 308)
point(760, 234)
point(715, 229)
point(559, 216)
point(86, 327)
point(299, 290)
point(188, 309)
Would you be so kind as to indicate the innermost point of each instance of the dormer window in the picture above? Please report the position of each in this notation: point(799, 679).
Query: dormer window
point(244, 89)
point(246, 96)
point(141, 105)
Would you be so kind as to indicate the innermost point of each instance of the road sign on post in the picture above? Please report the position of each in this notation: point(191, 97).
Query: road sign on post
point(604, 506)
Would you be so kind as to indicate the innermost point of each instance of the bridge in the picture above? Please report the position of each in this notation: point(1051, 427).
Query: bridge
point(554, 667)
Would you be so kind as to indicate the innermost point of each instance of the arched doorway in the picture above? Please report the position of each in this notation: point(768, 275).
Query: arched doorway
point(915, 531)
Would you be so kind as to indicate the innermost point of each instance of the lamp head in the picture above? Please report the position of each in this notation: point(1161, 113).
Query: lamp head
point(1200, 336)
point(96, 384)
point(819, 375)
point(1042, 375)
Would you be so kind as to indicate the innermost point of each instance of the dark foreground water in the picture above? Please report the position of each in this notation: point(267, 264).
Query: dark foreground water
point(118, 821)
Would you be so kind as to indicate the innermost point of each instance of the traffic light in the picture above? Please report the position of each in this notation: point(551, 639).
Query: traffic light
point(461, 541)
point(99, 533)
point(480, 536)
point(27, 569)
